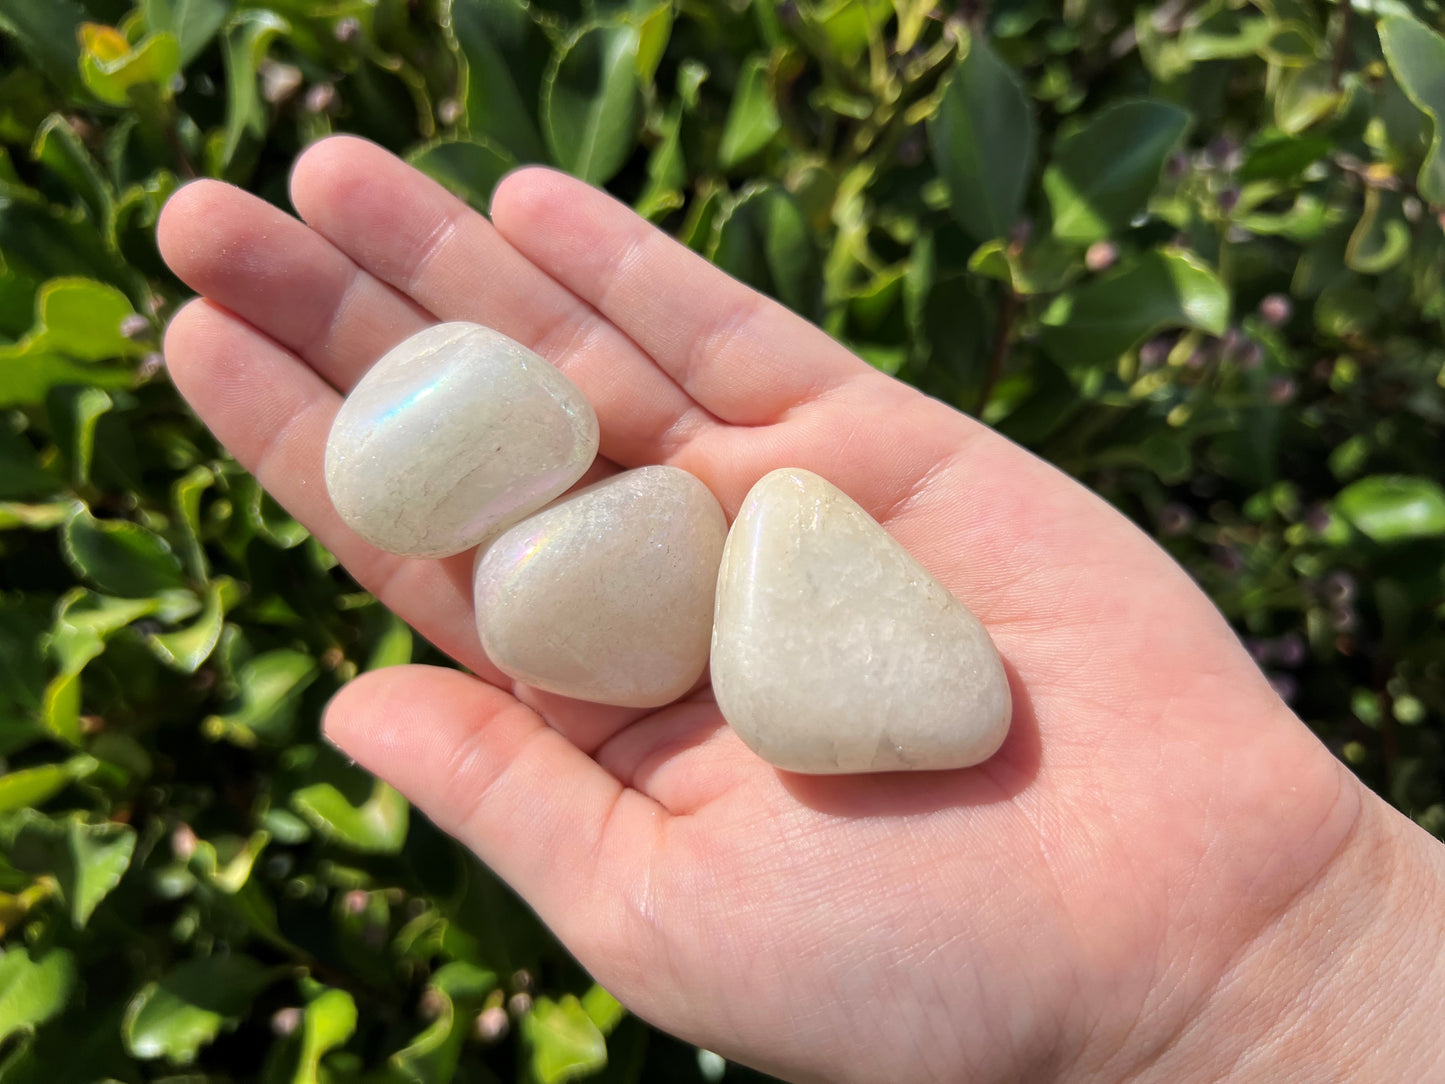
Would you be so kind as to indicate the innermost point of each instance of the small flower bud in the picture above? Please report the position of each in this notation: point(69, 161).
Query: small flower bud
point(135, 326)
point(449, 111)
point(279, 81)
point(492, 1024)
point(1175, 520)
point(347, 29)
point(285, 1021)
point(354, 902)
point(1276, 309)
point(1101, 256)
point(183, 841)
point(320, 98)
point(519, 1005)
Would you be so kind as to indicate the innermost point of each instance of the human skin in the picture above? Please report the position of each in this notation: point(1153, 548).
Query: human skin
point(1162, 875)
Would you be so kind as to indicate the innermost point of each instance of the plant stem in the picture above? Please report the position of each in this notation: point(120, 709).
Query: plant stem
point(1342, 43)
point(1002, 343)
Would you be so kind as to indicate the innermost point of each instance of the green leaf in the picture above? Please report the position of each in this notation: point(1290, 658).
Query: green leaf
point(503, 51)
point(602, 1009)
point(1394, 508)
point(81, 319)
point(761, 237)
point(85, 620)
point(431, 1058)
point(564, 1042)
point(469, 168)
point(1381, 238)
point(46, 32)
point(271, 685)
point(1099, 321)
point(193, 22)
point(393, 647)
point(1043, 267)
point(1279, 157)
point(99, 855)
point(666, 171)
point(116, 71)
point(377, 826)
point(60, 707)
point(592, 99)
point(32, 787)
point(189, 1007)
point(982, 139)
point(184, 649)
point(753, 119)
point(119, 557)
point(248, 37)
point(1103, 174)
point(329, 1021)
point(33, 988)
point(1305, 97)
point(60, 150)
point(1416, 55)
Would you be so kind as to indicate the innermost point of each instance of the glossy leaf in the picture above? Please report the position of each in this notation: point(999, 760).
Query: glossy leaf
point(761, 237)
point(33, 988)
point(186, 648)
point(186, 1009)
point(1103, 174)
point(119, 557)
point(248, 38)
point(30, 787)
point(459, 990)
point(1381, 238)
point(329, 1020)
point(982, 139)
point(1097, 322)
point(194, 23)
point(270, 690)
point(96, 857)
point(1394, 508)
point(116, 71)
point(592, 99)
point(47, 33)
point(60, 150)
point(564, 1041)
point(376, 826)
point(393, 647)
point(503, 50)
point(753, 119)
point(1416, 55)
point(469, 168)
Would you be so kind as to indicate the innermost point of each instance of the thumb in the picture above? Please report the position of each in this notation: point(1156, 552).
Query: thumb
point(485, 768)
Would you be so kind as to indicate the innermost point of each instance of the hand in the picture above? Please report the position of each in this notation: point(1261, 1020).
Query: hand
point(1158, 875)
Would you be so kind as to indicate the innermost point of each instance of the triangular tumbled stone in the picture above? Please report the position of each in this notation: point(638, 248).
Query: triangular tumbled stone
point(835, 651)
point(606, 595)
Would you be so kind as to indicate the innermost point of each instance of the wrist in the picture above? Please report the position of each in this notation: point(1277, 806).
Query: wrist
point(1344, 982)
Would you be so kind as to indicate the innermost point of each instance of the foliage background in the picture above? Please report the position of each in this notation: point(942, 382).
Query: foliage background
point(1192, 253)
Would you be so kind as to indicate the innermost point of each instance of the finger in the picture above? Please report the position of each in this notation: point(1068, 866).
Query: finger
point(718, 338)
point(563, 832)
point(450, 260)
point(274, 414)
point(286, 280)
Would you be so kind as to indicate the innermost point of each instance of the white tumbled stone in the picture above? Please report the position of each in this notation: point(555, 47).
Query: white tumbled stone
point(606, 595)
point(835, 651)
point(451, 436)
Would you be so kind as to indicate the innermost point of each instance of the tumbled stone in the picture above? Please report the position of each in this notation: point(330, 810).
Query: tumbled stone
point(451, 436)
point(835, 651)
point(606, 595)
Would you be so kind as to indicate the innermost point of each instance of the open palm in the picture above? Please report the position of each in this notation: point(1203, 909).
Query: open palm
point(1076, 904)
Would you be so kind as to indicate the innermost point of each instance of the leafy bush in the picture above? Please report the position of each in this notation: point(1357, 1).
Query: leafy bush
point(1192, 253)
